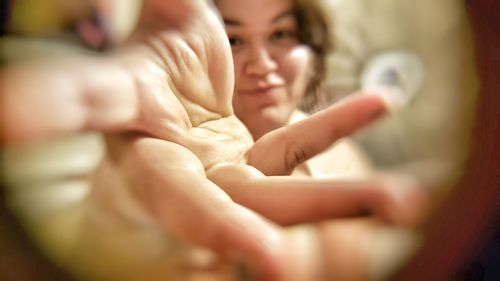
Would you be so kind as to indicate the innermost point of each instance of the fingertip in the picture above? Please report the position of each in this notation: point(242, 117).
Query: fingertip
point(392, 98)
point(269, 267)
point(169, 13)
point(372, 104)
point(251, 243)
point(412, 201)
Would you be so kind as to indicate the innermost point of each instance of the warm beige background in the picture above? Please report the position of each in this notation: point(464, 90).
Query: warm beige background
point(428, 137)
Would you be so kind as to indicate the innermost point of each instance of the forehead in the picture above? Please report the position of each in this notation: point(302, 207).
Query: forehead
point(255, 12)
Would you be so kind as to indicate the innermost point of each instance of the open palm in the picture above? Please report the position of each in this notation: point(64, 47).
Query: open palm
point(180, 162)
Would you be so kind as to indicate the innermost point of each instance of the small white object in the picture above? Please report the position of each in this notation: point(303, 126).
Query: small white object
point(397, 76)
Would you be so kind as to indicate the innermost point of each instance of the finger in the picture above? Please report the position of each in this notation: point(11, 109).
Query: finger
point(117, 19)
point(403, 200)
point(348, 247)
point(170, 182)
point(393, 200)
point(280, 151)
point(42, 100)
point(168, 13)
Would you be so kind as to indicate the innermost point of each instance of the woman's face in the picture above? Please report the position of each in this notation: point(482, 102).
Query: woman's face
point(272, 68)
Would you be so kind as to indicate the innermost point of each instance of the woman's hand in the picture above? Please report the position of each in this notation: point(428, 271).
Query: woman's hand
point(186, 152)
point(175, 146)
point(49, 98)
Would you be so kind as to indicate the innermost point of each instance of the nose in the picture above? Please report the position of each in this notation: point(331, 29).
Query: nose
point(260, 61)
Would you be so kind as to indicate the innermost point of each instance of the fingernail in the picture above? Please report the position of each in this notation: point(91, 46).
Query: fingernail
point(377, 112)
point(243, 272)
point(392, 97)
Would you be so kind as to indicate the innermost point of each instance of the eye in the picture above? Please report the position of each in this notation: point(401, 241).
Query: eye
point(235, 41)
point(283, 34)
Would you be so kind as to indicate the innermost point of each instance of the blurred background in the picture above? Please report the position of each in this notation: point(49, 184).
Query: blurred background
point(425, 47)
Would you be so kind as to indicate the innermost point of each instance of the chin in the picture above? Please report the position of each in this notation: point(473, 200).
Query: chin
point(276, 116)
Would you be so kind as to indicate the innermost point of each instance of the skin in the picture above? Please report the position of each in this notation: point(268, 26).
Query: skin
point(91, 103)
point(272, 68)
point(272, 71)
point(177, 145)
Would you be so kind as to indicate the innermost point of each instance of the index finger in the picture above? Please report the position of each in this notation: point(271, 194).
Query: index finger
point(280, 151)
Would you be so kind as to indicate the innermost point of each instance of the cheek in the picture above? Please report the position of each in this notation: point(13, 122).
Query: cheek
point(238, 78)
point(240, 107)
point(238, 70)
point(297, 69)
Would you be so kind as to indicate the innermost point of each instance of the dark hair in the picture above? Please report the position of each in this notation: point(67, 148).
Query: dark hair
point(313, 32)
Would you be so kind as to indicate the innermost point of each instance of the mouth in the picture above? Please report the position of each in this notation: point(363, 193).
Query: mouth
point(267, 90)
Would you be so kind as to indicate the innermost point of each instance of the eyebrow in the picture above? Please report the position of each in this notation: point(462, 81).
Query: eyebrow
point(279, 17)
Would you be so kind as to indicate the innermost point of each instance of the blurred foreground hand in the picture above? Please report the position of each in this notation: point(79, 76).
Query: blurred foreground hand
point(181, 158)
